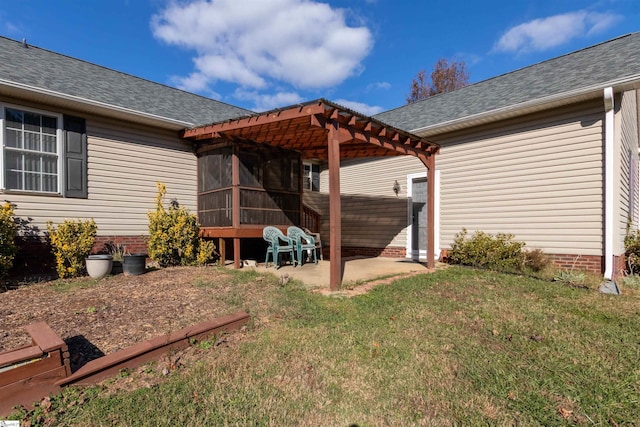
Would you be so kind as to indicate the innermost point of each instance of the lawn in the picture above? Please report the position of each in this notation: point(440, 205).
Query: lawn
point(456, 347)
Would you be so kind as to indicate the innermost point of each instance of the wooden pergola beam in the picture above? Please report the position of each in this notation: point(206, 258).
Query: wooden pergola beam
point(253, 120)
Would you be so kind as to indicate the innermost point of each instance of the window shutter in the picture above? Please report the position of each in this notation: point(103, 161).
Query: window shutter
point(75, 158)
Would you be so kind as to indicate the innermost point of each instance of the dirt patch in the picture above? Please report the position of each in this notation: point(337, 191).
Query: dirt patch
point(361, 289)
point(100, 317)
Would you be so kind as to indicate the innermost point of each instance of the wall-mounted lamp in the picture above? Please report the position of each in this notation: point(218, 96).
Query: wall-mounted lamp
point(396, 187)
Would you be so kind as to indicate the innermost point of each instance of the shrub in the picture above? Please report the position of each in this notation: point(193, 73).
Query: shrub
point(571, 278)
point(485, 250)
point(8, 246)
point(536, 260)
point(632, 251)
point(174, 235)
point(71, 243)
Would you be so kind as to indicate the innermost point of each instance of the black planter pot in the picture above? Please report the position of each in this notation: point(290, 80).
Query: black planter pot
point(116, 268)
point(134, 264)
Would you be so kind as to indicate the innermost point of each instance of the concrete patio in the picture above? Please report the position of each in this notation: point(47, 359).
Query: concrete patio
point(356, 270)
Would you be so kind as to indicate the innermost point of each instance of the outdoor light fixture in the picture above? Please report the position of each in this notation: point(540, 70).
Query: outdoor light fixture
point(396, 187)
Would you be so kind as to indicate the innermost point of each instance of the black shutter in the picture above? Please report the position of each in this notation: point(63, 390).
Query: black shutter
point(75, 158)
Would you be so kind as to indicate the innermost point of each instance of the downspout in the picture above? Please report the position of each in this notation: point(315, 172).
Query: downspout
point(608, 181)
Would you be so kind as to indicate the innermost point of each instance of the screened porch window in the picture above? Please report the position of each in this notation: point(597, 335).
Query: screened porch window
point(269, 186)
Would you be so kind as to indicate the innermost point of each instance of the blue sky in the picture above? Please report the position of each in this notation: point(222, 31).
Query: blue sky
point(264, 54)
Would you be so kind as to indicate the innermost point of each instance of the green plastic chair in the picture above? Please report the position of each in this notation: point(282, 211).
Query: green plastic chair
point(303, 242)
point(278, 244)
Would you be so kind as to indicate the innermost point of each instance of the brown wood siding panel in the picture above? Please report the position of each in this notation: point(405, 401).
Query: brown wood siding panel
point(367, 221)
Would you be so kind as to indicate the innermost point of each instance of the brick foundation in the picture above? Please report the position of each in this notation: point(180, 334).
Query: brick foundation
point(619, 266)
point(34, 257)
point(388, 252)
point(133, 244)
point(590, 263)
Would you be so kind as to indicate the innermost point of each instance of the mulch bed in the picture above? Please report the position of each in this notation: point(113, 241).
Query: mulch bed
point(100, 317)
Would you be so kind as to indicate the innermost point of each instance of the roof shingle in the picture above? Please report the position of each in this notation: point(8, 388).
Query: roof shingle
point(43, 69)
point(606, 62)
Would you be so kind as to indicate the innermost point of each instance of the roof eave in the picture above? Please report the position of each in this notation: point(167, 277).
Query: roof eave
point(564, 98)
point(67, 100)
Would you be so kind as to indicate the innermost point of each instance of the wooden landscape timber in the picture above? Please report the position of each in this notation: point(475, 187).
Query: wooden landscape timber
point(30, 373)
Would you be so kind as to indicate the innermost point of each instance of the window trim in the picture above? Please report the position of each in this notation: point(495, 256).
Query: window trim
point(59, 148)
point(310, 175)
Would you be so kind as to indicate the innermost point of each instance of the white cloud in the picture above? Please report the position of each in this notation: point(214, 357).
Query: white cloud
point(360, 107)
point(195, 83)
point(378, 85)
point(11, 28)
point(546, 33)
point(263, 102)
point(254, 43)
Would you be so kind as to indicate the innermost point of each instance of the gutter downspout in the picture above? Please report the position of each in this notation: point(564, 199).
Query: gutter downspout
point(609, 126)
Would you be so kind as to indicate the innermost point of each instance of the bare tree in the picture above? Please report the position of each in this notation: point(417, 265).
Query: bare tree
point(445, 77)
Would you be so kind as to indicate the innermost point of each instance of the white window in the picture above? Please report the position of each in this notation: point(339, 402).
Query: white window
point(311, 177)
point(31, 150)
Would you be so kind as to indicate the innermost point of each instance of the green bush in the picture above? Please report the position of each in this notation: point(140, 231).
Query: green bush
point(483, 250)
point(71, 243)
point(174, 235)
point(632, 251)
point(8, 246)
point(536, 260)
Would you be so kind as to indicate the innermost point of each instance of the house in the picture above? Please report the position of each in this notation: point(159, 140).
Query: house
point(82, 141)
point(548, 152)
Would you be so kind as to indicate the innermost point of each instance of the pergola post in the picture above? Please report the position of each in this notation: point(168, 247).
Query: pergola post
point(431, 211)
point(335, 215)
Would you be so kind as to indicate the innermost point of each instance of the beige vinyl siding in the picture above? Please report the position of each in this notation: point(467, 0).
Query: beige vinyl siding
point(626, 134)
point(538, 176)
point(124, 163)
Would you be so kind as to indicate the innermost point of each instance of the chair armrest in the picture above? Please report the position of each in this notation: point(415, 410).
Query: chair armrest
point(287, 240)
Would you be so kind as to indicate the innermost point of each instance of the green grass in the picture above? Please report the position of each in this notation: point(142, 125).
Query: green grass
point(457, 347)
point(70, 285)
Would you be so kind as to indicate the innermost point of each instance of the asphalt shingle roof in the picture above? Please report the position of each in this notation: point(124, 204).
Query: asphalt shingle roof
point(52, 71)
point(609, 61)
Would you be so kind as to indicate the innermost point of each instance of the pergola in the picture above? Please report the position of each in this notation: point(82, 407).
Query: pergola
point(326, 131)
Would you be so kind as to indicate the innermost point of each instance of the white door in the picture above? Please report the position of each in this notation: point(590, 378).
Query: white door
point(417, 218)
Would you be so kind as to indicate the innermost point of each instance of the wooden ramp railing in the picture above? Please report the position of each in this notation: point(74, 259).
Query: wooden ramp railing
point(310, 219)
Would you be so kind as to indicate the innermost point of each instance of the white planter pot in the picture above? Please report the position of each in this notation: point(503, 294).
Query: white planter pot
point(99, 266)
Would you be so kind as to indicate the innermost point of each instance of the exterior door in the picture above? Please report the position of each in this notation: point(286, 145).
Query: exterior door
point(419, 218)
